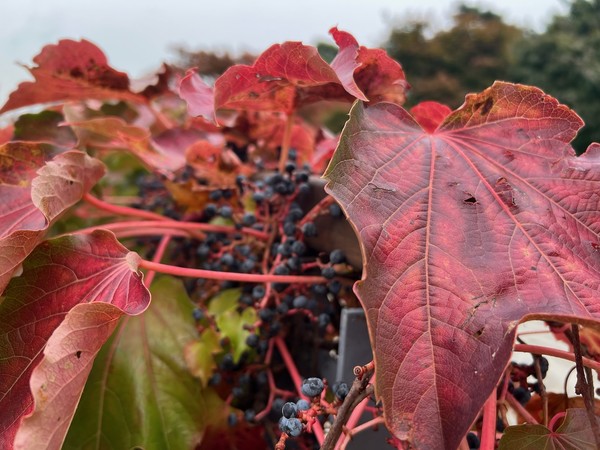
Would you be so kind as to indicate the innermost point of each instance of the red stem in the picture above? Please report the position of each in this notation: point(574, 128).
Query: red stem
point(285, 144)
point(555, 419)
point(192, 226)
point(539, 350)
point(229, 276)
point(297, 379)
point(123, 210)
point(514, 403)
point(160, 251)
point(490, 416)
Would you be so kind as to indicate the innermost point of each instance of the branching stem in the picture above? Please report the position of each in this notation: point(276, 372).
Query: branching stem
point(539, 350)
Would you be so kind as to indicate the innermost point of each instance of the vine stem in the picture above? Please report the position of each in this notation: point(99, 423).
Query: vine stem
point(543, 393)
point(362, 427)
point(297, 379)
point(123, 210)
point(514, 403)
point(555, 419)
point(360, 391)
point(287, 139)
point(585, 386)
point(176, 225)
point(160, 251)
point(490, 417)
point(229, 276)
point(537, 349)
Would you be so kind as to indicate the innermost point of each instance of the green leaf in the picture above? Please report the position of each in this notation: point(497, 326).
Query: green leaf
point(575, 433)
point(231, 323)
point(200, 355)
point(140, 392)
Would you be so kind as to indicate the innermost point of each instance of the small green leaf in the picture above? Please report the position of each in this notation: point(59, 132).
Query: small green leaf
point(226, 300)
point(199, 355)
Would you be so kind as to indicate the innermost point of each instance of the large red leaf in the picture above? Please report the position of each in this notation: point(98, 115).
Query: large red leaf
point(466, 230)
point(198, 95)
point(289, 75)
point(34, 192)
point(71, 70)
point(59, 275)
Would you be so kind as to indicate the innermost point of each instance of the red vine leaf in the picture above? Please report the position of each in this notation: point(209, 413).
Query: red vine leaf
point(71, 70)
point(290, 75)
point(430, 115)
point(465, 231)
point(368, 73)
point(574, 433)
point(113, 133)
point(198, 95)
point(31, 201)
point(59, 275)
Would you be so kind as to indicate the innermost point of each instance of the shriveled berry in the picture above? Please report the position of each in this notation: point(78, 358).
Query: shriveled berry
point(341, 390)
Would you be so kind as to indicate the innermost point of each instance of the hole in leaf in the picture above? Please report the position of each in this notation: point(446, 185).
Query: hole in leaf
point(478, 332)
point(470, 200)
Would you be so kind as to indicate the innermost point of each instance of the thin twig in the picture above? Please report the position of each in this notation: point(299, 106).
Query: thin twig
point(358, 392)
point(363, 426)
point(543, 393)
point(514, 403)
point(584, 387)
point(287, 140)
point(538, 349)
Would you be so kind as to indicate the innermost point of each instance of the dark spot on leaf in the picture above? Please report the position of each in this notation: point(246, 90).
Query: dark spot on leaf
point(595, 246)
point(485, 106)
point(71, 182)
point(533, 268)
point(76, 72)
point(479, 332)
point(252, 94)
point(452, 183)
point(78, 354)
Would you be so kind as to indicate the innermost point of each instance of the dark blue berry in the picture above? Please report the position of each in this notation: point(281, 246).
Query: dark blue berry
point(289, 228)
point(258, 197)
point(334, 287)
point(328, 272)
point(335, 210)
point(473, 441)
point(215, 195)
point(522, 395)
point(323, 320)
point(309, 229)
point(226, 211)
point(294, 427)
point(341, 390)
point(302, 405)
point(300, 302)
point(248, 219)
point(337, 256)
point(258, 292)
point(289, 410)
point(298, 248)
point(312, 387)
point(252, 340)
point(266, 314)
point(281, 270)
point(249, 415)
point(210, 210)
point(198, 314)
point(227, 259)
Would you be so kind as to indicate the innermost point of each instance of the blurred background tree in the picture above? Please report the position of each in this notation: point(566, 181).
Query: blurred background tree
point(565, 62)
point(468, 57)
point(477, 49)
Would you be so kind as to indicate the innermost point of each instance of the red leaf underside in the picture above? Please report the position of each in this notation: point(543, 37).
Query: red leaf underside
point(465, 231)
point(71, 70)
point(58, 275)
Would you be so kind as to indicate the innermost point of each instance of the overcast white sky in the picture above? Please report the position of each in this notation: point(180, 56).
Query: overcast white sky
point(137, 35)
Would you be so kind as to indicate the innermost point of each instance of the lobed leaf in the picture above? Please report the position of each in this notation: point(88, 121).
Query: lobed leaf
point(35, 190)
point(198, 95)
point(575, 433)
point(112, 133)
point(140, 393)
point(59, 275)
point(465, 231)
point(71, 70)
